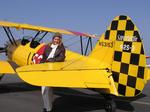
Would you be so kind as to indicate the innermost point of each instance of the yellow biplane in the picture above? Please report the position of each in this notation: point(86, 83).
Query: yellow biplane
point(115, 67)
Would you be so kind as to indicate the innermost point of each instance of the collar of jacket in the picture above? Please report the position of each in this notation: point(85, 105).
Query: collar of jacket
point(50, 43)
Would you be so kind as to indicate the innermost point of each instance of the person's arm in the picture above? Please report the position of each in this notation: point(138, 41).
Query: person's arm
point(43, 60)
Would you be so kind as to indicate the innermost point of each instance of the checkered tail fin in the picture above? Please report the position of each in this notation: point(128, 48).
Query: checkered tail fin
point(121, 49)
point(129, 60)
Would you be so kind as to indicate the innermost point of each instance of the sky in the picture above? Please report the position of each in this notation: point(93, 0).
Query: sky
point(92, 16)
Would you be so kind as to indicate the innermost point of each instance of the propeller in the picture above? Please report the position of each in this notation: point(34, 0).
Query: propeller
point(2, 49)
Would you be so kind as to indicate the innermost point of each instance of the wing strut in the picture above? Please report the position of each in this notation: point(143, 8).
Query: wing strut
point(43, 36)
point(8, 29)
point(36, 35)
point(89, 43)
point(39, 33)
point(8, 35)
point(81, 41)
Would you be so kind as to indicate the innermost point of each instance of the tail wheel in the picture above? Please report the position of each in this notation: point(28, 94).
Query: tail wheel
point(110, 106)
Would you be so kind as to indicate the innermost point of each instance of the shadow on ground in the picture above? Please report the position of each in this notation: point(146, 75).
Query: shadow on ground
point(81, 102)
point(17, 87)
point(71, 100)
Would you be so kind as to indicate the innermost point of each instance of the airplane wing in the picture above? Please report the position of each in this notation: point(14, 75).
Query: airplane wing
point(45, 29)
point(7, 67)
point(77, 71)
point(147, 57)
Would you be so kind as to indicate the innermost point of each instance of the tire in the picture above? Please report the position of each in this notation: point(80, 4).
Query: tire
point(110, 106)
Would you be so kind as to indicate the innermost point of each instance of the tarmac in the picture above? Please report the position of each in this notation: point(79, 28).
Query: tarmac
point(18, 96)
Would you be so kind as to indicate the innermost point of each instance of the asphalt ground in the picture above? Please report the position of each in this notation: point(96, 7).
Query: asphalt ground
point(18, 96)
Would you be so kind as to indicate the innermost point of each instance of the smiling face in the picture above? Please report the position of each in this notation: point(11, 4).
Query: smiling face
point(56, 40)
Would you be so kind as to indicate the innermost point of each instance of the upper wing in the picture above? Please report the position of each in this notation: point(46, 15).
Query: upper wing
point(40, 28)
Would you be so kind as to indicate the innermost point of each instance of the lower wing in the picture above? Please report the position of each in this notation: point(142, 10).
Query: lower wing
point(77, 71)
point(7, 67)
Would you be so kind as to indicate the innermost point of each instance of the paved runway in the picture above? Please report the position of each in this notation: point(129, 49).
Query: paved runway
point(17, 96)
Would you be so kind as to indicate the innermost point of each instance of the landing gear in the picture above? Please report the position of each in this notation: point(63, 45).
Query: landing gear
point(110, 105)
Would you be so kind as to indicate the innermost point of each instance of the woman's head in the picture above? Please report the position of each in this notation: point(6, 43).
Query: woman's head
point(57, 38)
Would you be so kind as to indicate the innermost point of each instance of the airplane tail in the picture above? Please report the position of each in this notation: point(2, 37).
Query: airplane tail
point(121, 50)
point(148, 70)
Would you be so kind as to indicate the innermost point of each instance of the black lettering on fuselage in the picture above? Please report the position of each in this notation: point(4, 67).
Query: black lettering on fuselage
point(106, 44)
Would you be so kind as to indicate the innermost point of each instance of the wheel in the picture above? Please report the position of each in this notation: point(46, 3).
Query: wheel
point(110, 106)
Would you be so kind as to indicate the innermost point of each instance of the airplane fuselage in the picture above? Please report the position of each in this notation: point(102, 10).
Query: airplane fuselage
point(22, 54)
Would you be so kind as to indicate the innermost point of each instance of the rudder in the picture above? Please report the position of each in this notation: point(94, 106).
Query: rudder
point(129, 61)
